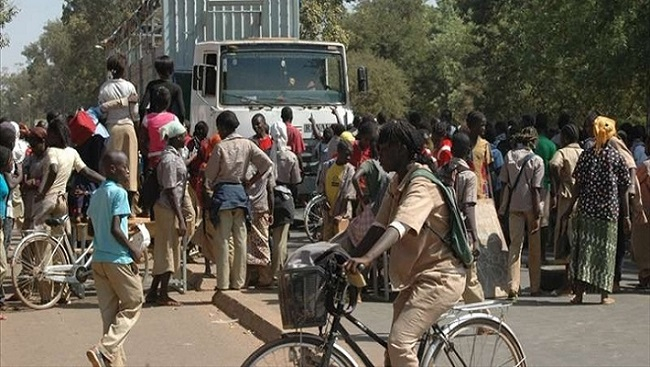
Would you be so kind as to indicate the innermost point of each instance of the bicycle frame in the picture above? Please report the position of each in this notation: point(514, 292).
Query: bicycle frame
point(436, 334)
point(337, 328)
point(66, 273)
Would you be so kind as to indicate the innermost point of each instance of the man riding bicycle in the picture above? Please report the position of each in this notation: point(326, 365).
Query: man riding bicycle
point(412, 221)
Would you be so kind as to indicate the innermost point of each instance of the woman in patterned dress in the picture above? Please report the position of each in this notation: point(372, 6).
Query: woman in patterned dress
point(601, 186)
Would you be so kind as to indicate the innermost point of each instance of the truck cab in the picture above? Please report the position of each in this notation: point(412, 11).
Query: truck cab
point(264, 76)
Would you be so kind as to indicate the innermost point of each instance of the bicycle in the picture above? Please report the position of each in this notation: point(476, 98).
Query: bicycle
point(44, 266)
point(313, 217)
point(322, 296)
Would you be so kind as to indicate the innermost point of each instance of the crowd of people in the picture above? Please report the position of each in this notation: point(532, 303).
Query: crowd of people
point(583, 192)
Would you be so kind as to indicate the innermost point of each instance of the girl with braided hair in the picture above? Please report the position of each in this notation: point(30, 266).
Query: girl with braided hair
point(412, 221)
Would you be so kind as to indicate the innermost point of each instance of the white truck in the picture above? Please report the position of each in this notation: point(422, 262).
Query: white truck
point(248, 59)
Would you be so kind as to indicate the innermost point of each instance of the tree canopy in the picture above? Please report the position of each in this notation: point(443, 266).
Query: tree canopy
point(7, 12)
point(504, 57)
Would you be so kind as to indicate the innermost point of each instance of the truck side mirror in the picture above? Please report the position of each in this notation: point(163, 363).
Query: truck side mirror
point(362, 79)
point(198, 73)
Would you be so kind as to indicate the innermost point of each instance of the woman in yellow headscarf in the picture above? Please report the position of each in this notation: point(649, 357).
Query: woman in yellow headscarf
point(602, 180)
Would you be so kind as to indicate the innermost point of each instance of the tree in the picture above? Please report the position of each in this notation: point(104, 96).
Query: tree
point(389, 89)
point(321, 20)
point(7, 12)
point(396, 30)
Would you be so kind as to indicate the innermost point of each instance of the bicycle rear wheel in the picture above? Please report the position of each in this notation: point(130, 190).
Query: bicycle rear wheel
point(477, 341)
point(32, 257)
point(313, 217)
point(296, 350)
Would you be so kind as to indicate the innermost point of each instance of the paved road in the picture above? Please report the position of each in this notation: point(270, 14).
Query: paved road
point(196, 334)
point(552, 332)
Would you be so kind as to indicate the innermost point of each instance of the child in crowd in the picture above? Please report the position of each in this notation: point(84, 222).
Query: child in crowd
point(522, 175)
point(164, 66)
point(153, 121)
point(119, 289)
point(6, 163)
point(464, 182)
point(336, 182)
point(170, 221)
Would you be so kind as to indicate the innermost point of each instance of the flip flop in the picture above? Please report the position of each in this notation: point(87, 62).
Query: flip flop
point(2, 317)
point(607, 301)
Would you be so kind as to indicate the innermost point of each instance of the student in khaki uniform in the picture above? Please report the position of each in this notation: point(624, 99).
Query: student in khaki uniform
point(524, 209)
point(429, 277)
point(119, 289)
point(171, 224)
point(481, 157)
point(465, 186)
point(225, 175)
point(561, 169)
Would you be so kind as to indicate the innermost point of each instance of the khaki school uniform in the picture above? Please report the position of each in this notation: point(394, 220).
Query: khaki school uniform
point(565, 161)
point(465, 186)
point(430, 279)
point(521, 216)
point(172, 174)
point(228, 163)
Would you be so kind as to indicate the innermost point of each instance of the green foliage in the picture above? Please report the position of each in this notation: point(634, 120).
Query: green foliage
point(388, 85)
point(64, 67)
point(7, 12)
point(320, 20)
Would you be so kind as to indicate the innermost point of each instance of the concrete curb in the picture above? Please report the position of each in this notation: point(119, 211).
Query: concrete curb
point(252, 314)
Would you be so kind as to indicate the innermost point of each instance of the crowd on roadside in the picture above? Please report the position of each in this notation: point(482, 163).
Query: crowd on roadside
point(581, 190)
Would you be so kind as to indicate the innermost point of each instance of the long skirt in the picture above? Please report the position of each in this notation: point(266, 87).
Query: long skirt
point(123, 138)
point(593, 251)
point(258, 250)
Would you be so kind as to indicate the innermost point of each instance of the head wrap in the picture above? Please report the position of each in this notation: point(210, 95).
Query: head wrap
point(347, 136)
point(604, 129)
point(172, 129)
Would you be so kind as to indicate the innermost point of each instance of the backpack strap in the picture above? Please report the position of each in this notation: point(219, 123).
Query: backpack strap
point(511, 189)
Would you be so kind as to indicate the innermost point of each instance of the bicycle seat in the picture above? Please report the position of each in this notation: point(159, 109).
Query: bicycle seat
point(56, 221)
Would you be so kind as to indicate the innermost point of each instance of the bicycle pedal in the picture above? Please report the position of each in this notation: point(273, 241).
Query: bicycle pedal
point(79, 290)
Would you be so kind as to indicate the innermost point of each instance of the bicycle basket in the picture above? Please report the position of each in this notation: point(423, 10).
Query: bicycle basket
point(302, 297)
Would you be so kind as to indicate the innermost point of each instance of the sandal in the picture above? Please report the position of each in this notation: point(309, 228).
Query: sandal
point(607, 301)
point(2, 317)
point(168, 301)
point(576, 300)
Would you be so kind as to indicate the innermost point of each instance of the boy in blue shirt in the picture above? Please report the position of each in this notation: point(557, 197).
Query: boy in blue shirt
point(119, 289)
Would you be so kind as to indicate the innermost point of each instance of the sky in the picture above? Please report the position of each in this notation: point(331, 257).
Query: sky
point(25, 28)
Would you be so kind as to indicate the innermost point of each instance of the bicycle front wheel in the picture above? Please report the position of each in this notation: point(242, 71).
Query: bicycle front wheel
point(296, 350)
point(477, 341)
point(29, 265)
point(313, 217)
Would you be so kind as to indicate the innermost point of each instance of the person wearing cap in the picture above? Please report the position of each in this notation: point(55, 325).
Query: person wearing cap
point(171, 224)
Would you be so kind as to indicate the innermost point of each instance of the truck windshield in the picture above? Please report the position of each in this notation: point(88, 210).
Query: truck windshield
point(282, 78)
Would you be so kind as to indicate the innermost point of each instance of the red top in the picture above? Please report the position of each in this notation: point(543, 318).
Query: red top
point(443, 154)
point(295, 141)
point(359, 155)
